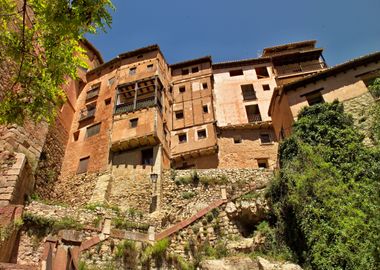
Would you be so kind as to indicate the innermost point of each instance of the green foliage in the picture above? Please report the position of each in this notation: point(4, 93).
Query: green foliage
point(250, 196)
point(273, 245)
point(156, 252)
point(188, 195)
point(374, 88)
point(211, 181)
point(128, 253)
point(96, 206)
point(325, 196)
point(124, 224)
point(195, 179)
point(41, 226)
point(41, 55)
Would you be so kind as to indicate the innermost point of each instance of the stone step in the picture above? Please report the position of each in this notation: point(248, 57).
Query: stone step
point(102, 189)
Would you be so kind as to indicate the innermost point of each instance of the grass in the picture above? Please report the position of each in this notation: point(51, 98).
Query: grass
point(95, 206)
point(123, 224)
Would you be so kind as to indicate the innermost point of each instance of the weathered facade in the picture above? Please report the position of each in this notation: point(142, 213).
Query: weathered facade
point(345, 82)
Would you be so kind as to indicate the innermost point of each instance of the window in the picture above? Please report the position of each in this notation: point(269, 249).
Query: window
point(182, 138)
point(111, 81)
point(248, 91)
point(92, 130)
point(149, 67)
point(182, 89)
point(107, 101)
point(204, 86)
point(236, 72)
point(179, 114)
point(201, 134)
point(205, 108)
point(88, 112)
point(253, 113)
point(185, 71)
point(132, 71)
point(237, 139)
point(314, 98)
point(93, 92)
point(262, 163)
point(266, 87)
point(194, 70)
point(147, 156)
point(83, 164)
point(265, 138)
point(262, 72)
point(133, 122)
point(76, 135)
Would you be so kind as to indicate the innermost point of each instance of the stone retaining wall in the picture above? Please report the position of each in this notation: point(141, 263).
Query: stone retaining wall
point(16, 182)
point(180, 201)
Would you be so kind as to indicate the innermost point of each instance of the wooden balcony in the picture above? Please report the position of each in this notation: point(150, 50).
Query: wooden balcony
point(299, 68)
point(87, 113)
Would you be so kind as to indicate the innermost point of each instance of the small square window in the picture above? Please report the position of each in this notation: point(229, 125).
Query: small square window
point(179, 114)
point(262, 163)
point(237, 139)
point(133, 122)
point(236, 72)
point(182, 138)
point(266, 87)
point(92, 130)
point(185, 71)
point(149, 67)
point(204, 86)
point(83, 164)
point(265, 138)
point(202, 134)
point(76, 135)
point(107, 101)
point(194, 70)
point(205, 109)
point(132, 71)
point(182, 89)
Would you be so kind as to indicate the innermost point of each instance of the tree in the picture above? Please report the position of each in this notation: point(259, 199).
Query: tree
point(39, 49)
point(326, 195)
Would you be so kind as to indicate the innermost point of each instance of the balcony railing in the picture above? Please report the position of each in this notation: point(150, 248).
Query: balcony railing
point(254, 118)
point(92, 93)
point(299, 68)
point(129, 107)
point(85, 114)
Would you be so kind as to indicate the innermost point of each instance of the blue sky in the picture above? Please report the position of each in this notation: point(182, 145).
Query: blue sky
point(238, 29)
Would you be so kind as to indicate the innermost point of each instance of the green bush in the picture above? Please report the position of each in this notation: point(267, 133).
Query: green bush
point(124, 224)
point(326, 195)
point(188, 195)
point(374, 88)
point(156, 252)
point(42, 226)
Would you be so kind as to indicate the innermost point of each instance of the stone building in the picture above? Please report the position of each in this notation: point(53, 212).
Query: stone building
point(346, 82)
point(137, 111)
